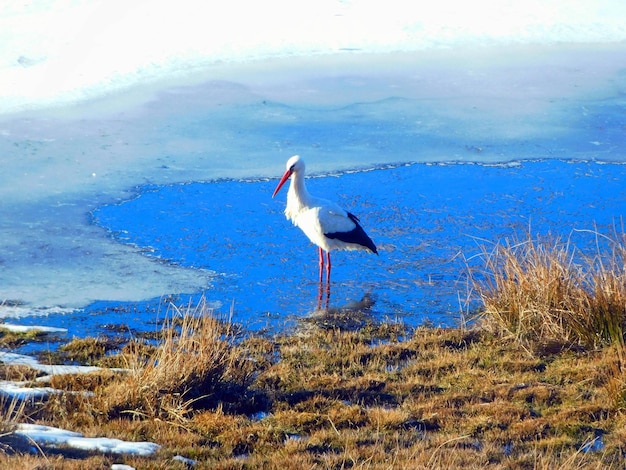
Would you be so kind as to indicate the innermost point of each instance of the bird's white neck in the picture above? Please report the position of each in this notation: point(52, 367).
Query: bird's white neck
point(298, 198)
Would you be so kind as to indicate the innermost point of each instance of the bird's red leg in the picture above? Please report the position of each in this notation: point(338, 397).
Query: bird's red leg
point(327, 279)
point(321, 265)
point(328, 267)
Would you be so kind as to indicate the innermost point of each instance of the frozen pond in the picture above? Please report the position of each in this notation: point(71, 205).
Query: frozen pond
point(426, 220)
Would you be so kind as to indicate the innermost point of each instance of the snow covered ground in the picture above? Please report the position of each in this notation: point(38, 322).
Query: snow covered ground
point(43, 437)
point(49, 436)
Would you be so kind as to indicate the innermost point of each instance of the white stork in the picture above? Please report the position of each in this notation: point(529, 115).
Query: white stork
point(325, 223)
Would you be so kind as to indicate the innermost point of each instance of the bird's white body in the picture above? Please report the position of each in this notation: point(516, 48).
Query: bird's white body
point(325, 223)
point(317, 217)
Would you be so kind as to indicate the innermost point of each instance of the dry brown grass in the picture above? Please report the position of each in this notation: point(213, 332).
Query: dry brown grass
point(337, 399)
point(329, 398)
point(13, 412)
point(550, 296)
point(546, 292)
point(194, 366)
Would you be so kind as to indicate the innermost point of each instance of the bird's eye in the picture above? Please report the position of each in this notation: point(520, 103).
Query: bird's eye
point(293, 167)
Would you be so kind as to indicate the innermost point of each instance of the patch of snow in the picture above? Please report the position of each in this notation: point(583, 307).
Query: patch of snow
point(21, 359)
point(28, 328)
point(185, 460)
point(18, 391)
point(51, 436)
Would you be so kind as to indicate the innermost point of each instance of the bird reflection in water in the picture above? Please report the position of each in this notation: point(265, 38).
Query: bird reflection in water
point(351, 316)
point(323, 295)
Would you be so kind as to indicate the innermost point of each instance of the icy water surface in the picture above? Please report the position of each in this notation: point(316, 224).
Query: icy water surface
point(426, 219)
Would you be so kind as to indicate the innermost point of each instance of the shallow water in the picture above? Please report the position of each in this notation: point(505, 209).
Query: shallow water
point(430, 221)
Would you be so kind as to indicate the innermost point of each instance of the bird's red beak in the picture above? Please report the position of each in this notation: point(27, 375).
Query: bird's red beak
point(282, 181)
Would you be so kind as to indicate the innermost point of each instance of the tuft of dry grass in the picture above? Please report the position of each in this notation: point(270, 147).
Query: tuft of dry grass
point(546, 293)
point(550, 296)
point(195, 364)
point(13, 412)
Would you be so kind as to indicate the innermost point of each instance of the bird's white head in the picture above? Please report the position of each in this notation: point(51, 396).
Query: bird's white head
point(294, 165)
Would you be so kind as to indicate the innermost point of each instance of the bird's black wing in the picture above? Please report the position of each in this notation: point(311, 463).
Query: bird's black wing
point(357, 235)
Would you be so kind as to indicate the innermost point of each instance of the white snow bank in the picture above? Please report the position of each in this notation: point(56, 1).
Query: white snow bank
point(52, 369)
point(20, 391)
point(28, 328)
point(60, 51)
point(55, 437)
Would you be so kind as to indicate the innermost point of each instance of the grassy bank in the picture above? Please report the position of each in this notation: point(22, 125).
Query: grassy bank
point(513, 391)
